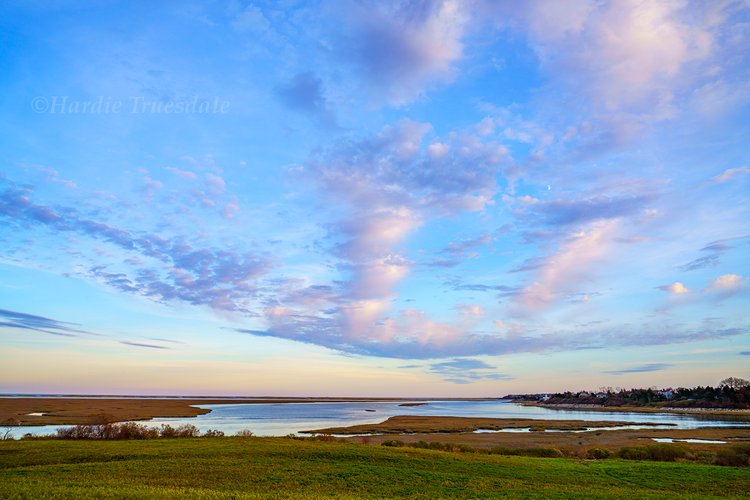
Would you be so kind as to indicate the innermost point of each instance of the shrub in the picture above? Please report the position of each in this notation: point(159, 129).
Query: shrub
point(544, 452)
point(661, 452)
point(528, 452)
point(439, 446)
point(210, 433)
point(598, 453)
point(246, 433)
point(187, 431)
point(129, 430)
point(166, 431)
point(737, 455)
point(462, 448)
point(392, 442)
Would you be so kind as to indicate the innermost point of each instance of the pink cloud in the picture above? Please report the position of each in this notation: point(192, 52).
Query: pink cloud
point(731, 173)
point(563, 273)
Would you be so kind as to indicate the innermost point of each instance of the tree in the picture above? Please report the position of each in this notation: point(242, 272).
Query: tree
point(734, 382)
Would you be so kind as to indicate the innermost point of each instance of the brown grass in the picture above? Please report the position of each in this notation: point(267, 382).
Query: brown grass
point(432, 424)
point(611, 440)
point(573, 443)
point(458, 431)
point(92, 409)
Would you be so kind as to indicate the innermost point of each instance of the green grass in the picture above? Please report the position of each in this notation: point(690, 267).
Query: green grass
point(282, 468)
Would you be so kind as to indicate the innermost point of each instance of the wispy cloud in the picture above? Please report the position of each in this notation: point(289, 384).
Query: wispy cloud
point(646, 367)
point(459, 251)
point(25, 321)
point(714, 251)
point(465, 371)
point(731, 173)
point(215, 277)
point(140, 344)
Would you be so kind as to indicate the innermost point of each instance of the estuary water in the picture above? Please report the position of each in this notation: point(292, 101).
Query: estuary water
point(279, 419)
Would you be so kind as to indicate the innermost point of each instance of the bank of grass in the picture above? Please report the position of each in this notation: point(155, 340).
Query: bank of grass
point(736, 455)
point(252, 467)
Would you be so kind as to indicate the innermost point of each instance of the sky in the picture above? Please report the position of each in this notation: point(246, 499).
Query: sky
point(344, 198)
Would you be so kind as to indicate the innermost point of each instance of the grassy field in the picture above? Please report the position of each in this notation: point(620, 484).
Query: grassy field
point(282, 468)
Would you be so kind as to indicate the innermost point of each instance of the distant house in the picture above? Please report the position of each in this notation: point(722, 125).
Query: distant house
point(601, 395)
point(544, 397)
point(584, 394)
point(667, 394)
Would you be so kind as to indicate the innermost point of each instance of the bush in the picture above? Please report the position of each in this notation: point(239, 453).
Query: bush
point(246, 433)
point(392, 442)
point(127, 430)
point(598, 453)
point(737, 455)
point(326, 438)
point(187, 431)
point(167, 431)
point(527, 452)
point(210, 433)
point(661, 452)
point(462, 448)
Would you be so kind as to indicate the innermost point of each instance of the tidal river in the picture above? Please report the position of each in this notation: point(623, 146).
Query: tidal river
point(277, 419)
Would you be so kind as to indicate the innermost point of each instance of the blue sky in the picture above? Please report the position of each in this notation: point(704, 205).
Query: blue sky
point(373, 198)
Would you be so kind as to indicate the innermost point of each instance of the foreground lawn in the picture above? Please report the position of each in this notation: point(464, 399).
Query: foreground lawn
point(280, 468)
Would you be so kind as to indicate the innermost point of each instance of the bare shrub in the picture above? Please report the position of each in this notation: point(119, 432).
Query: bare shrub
point(393, 443)
point(598, 453)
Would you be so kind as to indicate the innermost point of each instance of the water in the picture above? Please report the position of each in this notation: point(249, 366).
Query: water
point(588, 429)
point(275, 419)
point(671, 440)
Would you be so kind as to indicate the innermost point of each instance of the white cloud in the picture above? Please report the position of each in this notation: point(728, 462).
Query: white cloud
point(676, 288)
point(727, 283)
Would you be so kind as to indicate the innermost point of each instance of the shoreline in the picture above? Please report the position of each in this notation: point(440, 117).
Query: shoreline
point(641, 409)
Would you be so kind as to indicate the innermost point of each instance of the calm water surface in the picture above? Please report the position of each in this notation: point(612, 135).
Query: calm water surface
point(275, 419)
